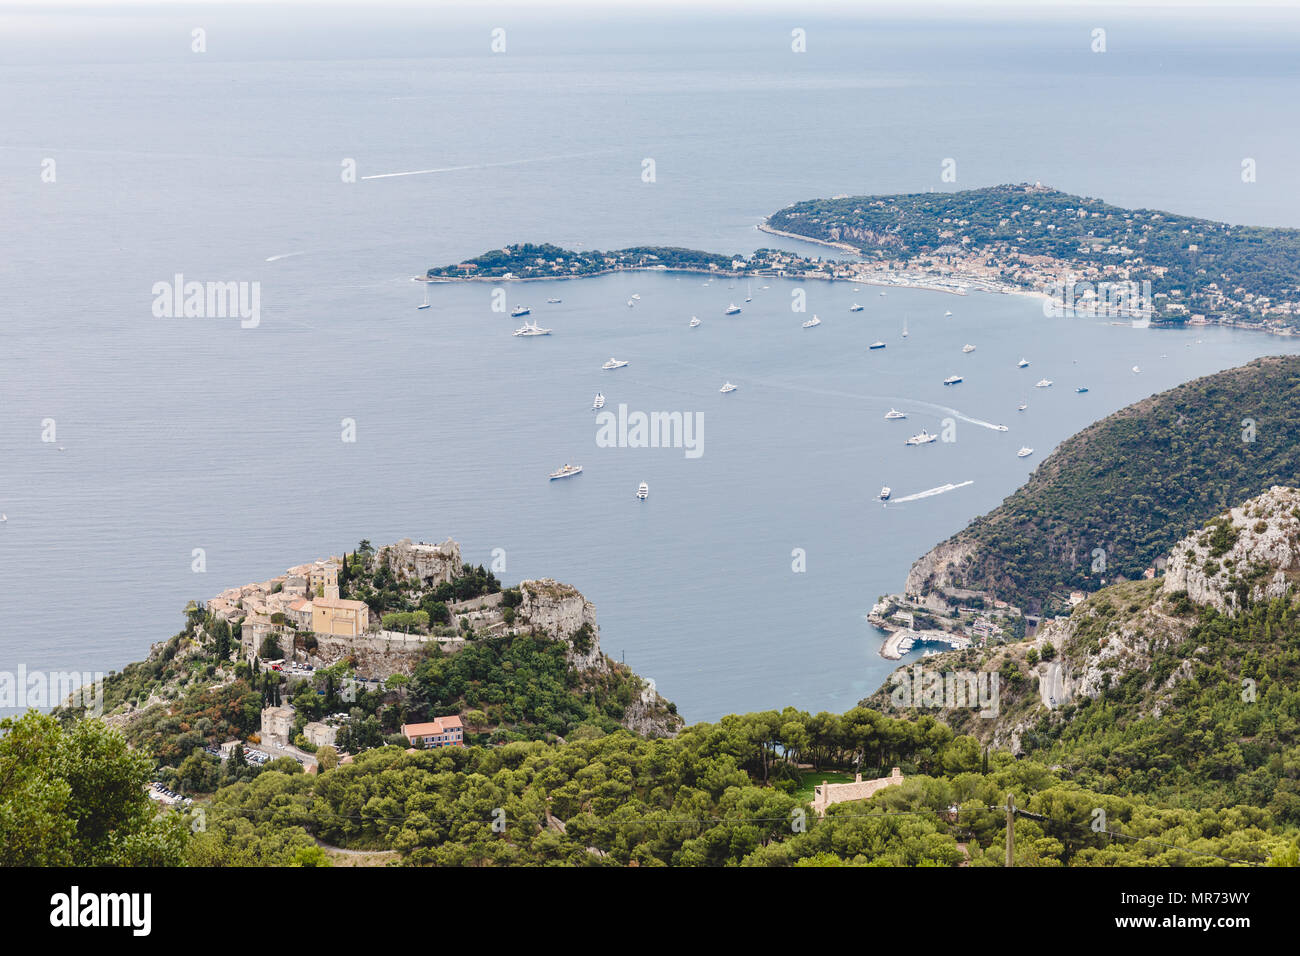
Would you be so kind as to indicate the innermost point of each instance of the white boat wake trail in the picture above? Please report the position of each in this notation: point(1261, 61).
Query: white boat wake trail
point(508, 162)
point(930, 493)
point(967, 418)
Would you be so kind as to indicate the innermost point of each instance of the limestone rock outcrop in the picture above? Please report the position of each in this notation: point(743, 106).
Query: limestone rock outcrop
point(1251, 553)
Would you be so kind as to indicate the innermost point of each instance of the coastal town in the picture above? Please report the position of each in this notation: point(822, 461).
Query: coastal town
point(1084, 257)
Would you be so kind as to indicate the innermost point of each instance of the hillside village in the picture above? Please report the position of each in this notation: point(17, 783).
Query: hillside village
point(370, 619)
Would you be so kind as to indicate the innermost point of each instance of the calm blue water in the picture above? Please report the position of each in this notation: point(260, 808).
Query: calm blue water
point(194, 433)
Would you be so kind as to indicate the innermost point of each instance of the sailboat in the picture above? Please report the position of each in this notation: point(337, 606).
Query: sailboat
point(426, 297)
point(905, 328)
point(749, 294)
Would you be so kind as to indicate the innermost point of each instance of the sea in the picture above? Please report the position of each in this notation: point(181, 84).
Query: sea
point(321, 157)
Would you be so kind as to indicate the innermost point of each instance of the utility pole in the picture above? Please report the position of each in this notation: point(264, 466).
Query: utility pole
point(1011, 829)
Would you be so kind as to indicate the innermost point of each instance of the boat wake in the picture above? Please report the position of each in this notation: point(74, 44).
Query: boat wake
point(931, 492)
point(508, 162)
point(973, 421)
point(283, 255)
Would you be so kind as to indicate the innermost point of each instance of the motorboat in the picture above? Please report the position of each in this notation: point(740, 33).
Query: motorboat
point(1024, 453)
point(727, 387)
point(598, 402)
point(924, 438)
point(884, 493)
point(732, 309)
point(694, 322)
point(568, 471)
point(893, 414)
point(520, 311)
point(952, 380)
point(1044, 383)
point(531, 328)
point(875, 345)
point(814, 321)
point(643, 492)
point(613, 363)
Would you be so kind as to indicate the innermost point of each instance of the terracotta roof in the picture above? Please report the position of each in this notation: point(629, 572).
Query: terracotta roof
point(338, 603)
point(439, 725)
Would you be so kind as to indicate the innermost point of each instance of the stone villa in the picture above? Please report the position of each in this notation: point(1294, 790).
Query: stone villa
point(831, 793)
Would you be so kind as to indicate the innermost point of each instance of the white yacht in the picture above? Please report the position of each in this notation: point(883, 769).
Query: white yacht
point(884, 493)
point(732, 309)
point(1044, 383)
point(968, 348)
point(1021, 407)
point(952, 380)
point(882, 293)
point(727, 387)
point(1023, 363)
point(894, 413)
point(520, 311)
point(598, 402)
point(1024, 453)
point(613, 363)
point(554, 301)
point(812, 322)
point(531, 328)
point(1136, 370)
point(630, 303)
point(694, 321)
point(855, 307)
point(636, 295)
point(3, 517)
point(643, 492)
point(568, 471)
point(876, 345)
point(947, 315)
point(924, 438)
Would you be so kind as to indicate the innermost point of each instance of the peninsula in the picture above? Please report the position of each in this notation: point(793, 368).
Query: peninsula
point(1090, 257)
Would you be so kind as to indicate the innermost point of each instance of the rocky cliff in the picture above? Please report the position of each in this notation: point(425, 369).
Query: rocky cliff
point(1252, 553)
point(1136, 633)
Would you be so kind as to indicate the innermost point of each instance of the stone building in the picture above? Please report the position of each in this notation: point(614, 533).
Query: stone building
point(277, 724)
point(320, 734)
point(338, 617)
point(832, 793)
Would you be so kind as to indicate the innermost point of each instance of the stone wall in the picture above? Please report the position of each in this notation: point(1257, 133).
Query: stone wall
point(377, 655)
